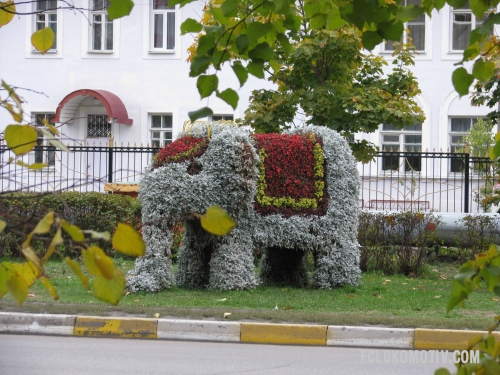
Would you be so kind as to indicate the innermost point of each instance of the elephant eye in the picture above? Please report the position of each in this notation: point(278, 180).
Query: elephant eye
point(194, 168)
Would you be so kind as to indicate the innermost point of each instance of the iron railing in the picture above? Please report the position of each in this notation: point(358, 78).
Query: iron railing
point(399, 181)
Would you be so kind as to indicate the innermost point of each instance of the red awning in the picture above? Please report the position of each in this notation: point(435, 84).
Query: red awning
point(114, 106)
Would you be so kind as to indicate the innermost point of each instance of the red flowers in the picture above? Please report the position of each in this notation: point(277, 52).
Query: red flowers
point(182, 149)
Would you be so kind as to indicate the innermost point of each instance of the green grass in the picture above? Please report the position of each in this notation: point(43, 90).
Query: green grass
point(395, 300)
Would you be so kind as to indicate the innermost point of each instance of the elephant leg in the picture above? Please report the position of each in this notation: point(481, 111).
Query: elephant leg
point(282, 266)
point(194, 257)
point(153, 271)
point(231, 265)
point(335, 266)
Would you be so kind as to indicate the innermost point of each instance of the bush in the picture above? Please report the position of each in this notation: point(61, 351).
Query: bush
point(396, 242)
point(97, 211)
point(478, 233)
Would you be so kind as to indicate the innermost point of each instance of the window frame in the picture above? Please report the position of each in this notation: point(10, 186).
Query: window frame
point(41, 156)
point(474, 24)
point(401, 144)
point(214, 117)
point(101, 115)
point(463, 133)
point(106, 25)
point(161, 129)
point(47, 13)
point(164, 12)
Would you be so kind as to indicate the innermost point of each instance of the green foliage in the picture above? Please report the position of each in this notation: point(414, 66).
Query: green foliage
point(396, 242)
point(479, 231)
point(97, 211)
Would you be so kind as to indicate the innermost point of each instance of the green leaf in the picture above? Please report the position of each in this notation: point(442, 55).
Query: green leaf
point(391, 30)
point(3, 224)
point(21, 139)
point(200, 113)
point(240, 72)
point(229, 8)
point(318, 21)
point(78, 272)
point(230, 97)
point(217, 221)
point(43, 39)
point(442, 371)
point(409, 13)
point(461, 81)
point(4, 276)
point(126, 240)
point(6, 17)
point(256, 30)
point(262, 51)
point(206, 44)
point(75, 232)
point(119, 8)
point(471, 52)
point(17, 287)
point(334, 20)
point(50, 288)
point(285, 43)
point(109, 290)
point(54, 141)
point(483, 70)
point(479, 7)
point(98, 235)
point(218, 16)
point(199, 65)
point(278, 4)
point(207, 84)
point(242, 43)
point(191, 26)
point(371, 39)
point(256, 68)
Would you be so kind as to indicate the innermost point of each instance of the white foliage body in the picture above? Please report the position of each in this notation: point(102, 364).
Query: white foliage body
point(169, 194)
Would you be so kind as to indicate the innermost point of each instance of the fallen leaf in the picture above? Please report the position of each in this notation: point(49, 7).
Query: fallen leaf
point(379, 296)
point(284, 289)
point(375, 294)
point(442, 277)
point(69, 277)
point(136, 300)
point(127, 293)
point(437, 296)
point(222, 300)
point(226, 315)
point(350, 296)
point(495, 299)
point(287, 308)
point(276, 307)
point(414, 288)
point(157, 315)
point(435, 270)
point(405, 283)
point(31, 295)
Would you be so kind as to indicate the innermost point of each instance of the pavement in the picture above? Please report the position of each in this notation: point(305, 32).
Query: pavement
point(229, 331)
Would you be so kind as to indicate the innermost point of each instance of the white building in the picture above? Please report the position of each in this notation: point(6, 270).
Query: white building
point(130, 76)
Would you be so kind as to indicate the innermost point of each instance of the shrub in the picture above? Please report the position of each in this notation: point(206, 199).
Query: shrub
point(396, 242)
point(479, 231)
point(97, 211)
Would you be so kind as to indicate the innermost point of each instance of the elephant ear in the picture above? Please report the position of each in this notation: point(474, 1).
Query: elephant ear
point(185, 148)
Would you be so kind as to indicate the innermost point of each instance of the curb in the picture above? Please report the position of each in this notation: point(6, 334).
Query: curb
point(262, 333)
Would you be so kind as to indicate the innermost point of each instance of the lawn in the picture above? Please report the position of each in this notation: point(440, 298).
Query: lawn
point(396, 301)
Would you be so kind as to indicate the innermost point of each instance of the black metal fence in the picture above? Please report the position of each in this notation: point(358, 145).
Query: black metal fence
point(85, 168)
point(427, 181)
point(397, 181)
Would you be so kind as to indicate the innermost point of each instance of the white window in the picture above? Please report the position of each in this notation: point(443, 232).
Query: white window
point(162, 26)
point(43, 152)
point(463, 21)
point(222, 118)
point(46, 16)
point(160, 130)
point(98, 126)
point(460, 126)
point(415, 29)
point(101, 38)
point(407, 140)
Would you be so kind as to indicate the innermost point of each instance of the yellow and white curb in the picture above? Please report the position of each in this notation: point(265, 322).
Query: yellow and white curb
point(262, 333)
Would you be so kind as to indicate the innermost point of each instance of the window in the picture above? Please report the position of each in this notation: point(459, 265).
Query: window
point(462, 23)
point(98, 126)
point(102, 27)
point(458, 131)
point(161, 130)
point(46, 16)
point(222, 118)
point(416, 29)
point(163, 26)
point(408, 140)
point(44, 153)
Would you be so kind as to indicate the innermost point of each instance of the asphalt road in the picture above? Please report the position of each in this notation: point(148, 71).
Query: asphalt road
point(47, 355)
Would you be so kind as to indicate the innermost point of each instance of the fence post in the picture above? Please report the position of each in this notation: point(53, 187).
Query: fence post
point(110, 160)
point(466, 183)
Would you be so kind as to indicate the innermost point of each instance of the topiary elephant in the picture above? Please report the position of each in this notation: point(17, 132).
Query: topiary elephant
point(290, 194)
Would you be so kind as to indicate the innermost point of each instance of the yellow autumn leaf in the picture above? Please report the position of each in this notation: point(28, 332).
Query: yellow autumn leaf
point(34, 166)
point(51, 127)
point(56, 240)
point(98, 235)
point(75, 232)
point(98, 263)
point(31, 256)
point(43, 39)
point(3, 224)
point(5, 275)
point(18, 288)
point(50, 287)
point(127, 241)
point(217, 221)
point(75, 267)
point(28, 272)
point(89, 262)
point(109, 290)
point(7, 12)
point(21, 139)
